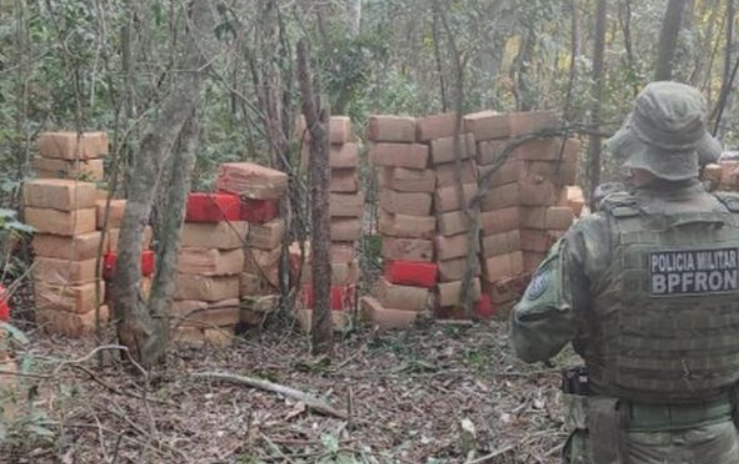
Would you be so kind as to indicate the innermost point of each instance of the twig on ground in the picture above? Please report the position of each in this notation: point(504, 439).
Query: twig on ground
point(311, 401)
point(92, 353)
point(150, 438)
point(486, 459)
point(116, 390)
point(276, 448)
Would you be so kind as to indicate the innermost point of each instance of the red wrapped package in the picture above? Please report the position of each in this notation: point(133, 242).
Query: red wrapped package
point(213, 207)
point(342, 298)
point(411, 274)
point(147, 264)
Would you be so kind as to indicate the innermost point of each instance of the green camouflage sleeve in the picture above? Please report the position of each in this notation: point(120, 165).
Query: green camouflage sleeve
point(550, 313)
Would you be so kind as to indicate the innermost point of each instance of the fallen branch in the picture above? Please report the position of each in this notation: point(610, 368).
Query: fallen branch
point(309, 400)
point(486, 459)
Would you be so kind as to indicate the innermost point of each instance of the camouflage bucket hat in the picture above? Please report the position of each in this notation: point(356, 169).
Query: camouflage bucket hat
point(665, 133)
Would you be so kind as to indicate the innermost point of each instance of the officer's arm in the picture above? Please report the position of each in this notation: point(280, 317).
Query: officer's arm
point(549, 314)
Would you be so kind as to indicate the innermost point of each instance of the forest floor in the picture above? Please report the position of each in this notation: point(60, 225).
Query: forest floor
point(429, 395)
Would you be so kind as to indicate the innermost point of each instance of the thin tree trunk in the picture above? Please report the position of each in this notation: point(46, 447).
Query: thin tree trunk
point(317, 121)
point(728, 81)
point(730, 16)
point(437, 56)
point(703, 56)
point(596, 141)
point(574, 52)
point(668, 39)
point(520, 70)
point(492, 61)
point(354, 17)
point(466, 303)
point(625, 18)
point(278, 132)
point(163, 287)
point(137, 329)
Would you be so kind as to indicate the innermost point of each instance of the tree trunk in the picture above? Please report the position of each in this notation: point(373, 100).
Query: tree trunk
point(596, 142)
point(491, 61)
point(728, 57)
point(574, 53)
point(439, 60)
point(726, 99)
point(624, 13)
point(354, 17)
point(163, 287)
point(278, 131)
point(317, 121)
point(520, 72)
point(137, 328)
point(668, 39)
point(703, 56)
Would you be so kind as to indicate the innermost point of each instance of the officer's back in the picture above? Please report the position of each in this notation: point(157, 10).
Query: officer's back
point(647, 289)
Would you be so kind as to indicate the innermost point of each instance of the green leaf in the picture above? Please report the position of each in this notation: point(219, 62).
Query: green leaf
point(331, 443)
point(21, 227)
point(26, 364)
point(8, 213)
point(15, 333)
point(41, 431)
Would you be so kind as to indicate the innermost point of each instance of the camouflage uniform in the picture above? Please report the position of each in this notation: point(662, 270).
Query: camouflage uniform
point(659, 340)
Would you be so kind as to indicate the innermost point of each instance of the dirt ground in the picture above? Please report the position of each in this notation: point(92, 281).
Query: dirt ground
point(437, 394)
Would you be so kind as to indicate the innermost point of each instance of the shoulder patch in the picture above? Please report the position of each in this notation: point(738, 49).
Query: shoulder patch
point(538, 285)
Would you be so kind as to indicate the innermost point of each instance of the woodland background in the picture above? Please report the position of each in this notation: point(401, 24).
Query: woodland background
point(112, 64)
point(122, 66)
point(108, 64)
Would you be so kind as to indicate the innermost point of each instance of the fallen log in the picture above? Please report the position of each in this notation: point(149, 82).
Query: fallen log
point(310, 401)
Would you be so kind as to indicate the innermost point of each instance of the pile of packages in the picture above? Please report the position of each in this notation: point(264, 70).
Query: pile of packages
point(346, 209)
point(63, 211)
point(428, 178)
point(233, 243)
point(229, 253)
point(72, 218)
point(527, 208)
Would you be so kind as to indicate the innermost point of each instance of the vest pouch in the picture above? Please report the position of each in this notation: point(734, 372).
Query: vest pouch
point(606, 430)
point(576, 412)
point(576, 449)
point(683, 220)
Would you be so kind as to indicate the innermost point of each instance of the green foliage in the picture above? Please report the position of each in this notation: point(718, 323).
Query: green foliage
point(10, 224)
point(22, 420)
point(348, 63)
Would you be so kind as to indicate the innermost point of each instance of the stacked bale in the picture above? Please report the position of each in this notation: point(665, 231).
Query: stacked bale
point(66, 245)
point(406, 222)
point(576, 200)
point(346, 209)
point(61, 206)
point(71, 155)
point(260, 279)
point(211, 258)
point(259, 190)
point(456, 185)
point(527, 207)
point(723, 176)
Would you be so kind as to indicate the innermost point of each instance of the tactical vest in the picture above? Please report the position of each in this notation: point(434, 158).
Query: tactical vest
point(665, 322)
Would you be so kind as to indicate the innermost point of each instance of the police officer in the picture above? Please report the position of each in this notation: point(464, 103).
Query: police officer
point(647, 290)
